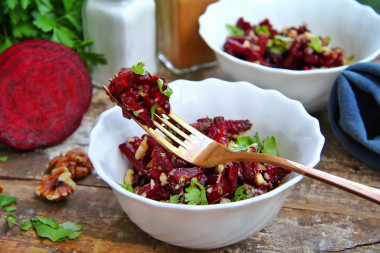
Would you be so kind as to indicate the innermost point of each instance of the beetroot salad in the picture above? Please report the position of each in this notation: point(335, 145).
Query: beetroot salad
point(160, 175)
point(293, 48)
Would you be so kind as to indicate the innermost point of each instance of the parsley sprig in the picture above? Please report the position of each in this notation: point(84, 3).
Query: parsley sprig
point(44, 227)
point(55, 20)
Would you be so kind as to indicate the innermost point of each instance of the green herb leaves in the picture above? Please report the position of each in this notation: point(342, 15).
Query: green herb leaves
point(59, 21)
point(268, 146)
point(44, 227)
point(127, 187)
point(195, 195)
point(6, 200)
point(239, 193)
point(3, 158)
point(168, 92)
point(139, 69)
point(235, 31)
point(48, 228)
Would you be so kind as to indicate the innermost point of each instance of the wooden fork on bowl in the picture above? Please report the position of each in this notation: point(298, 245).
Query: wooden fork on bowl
point(202, 151)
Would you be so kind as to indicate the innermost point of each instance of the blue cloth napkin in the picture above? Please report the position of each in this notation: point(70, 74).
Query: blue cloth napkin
point(354, 111)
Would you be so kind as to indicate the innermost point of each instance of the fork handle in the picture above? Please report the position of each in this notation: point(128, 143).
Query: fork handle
point(364, 191)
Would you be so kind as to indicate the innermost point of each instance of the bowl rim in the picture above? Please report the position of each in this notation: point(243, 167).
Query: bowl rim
point(203, 20)
point(285, 186)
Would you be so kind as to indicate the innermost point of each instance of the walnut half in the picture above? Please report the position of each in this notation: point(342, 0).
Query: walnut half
point(57, 186)
point(76, 161)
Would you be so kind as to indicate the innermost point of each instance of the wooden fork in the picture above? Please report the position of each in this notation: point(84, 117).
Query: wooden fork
point(202, 151)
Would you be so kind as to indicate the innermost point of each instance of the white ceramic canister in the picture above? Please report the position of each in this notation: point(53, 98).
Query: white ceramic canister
point(124, 31)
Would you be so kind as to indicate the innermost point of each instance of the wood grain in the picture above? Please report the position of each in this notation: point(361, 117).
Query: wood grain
point(331, 221)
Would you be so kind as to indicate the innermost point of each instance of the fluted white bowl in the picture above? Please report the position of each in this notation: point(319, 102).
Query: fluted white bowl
point(204, 227)
point(352, 26)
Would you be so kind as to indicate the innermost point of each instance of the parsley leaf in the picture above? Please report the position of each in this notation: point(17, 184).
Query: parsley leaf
point(160, 83)
point(7, 200)
point(269, 146)
point(168, 92)
point(174, 199)
point(3, 158)
point(195, 196)
point(264, 29)
point(316, 45)
point(12, 220)
point(127, 187)
point(10, 208)
point(243, 143)
point(192, 195)
point(258, 141)
point(153, 110)
point(48, 228)
point(26, 225)
point(239, 193)
point(139, 69)
point(235, 31)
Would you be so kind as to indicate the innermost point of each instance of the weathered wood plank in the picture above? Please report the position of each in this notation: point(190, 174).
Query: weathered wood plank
point(107, 227)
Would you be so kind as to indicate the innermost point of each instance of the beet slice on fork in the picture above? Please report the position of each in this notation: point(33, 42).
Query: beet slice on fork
point(45, 90)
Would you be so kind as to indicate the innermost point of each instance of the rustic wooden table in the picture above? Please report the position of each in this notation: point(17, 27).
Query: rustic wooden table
point(329, 221)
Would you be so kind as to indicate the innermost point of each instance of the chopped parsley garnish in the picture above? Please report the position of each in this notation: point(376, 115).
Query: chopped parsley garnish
point(235, 31)
point(127, 187)
point(153, 110)
point(139, 69)
point(48, 228)
point(10, 208)
point(239, 193)
point(174, 199)
point(160, 83)
point(243, 143)
point(316, 45)
point(6, 200)
point(168, 92)
point(262, 28)
point(195, 195)
point(12, 220)
point(3, 158)
point(203, 127)
point(278, 44)
point(258, 141)
point(269, 146)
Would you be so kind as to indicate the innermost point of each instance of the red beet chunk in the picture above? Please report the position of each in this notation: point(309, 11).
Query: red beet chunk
point(139, 93)
point(45, 90)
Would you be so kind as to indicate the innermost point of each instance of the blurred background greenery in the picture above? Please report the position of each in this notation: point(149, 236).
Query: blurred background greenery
point(375, 4)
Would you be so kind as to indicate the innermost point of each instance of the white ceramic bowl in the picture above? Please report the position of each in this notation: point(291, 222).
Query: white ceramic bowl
point(352, 26)
point(204, 227)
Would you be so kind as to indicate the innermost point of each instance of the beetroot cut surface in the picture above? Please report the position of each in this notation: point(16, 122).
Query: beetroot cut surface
point(45, 90)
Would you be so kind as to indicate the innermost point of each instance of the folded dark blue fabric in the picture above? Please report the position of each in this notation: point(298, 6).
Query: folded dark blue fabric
point(354, 111)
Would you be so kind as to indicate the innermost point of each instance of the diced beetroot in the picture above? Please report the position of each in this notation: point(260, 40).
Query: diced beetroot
point(233, 176)
point(238, 126)
point(129, 151)
point(180, 175)
point(276, 174)
point(150, 189)
point(218, 130)
point(162, 157)
point(218, 190)
point(139, 93)
point(45, 90)
point(154, 173)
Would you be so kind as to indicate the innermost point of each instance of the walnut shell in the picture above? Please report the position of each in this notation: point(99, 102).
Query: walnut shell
point(76, 161)
point(57, 186)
